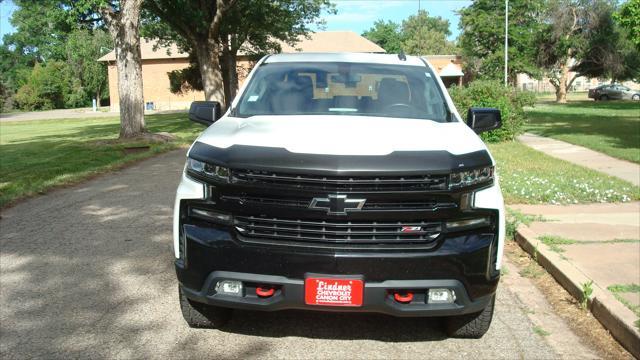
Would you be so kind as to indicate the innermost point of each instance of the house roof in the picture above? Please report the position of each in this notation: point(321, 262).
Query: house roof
point(334, 41)
point(327, 41)
point(346, 57)
point(446, 65)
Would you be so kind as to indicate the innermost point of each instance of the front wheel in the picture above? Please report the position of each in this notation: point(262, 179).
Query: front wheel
point(199, 315)
point(635, 97)
point(471, 326)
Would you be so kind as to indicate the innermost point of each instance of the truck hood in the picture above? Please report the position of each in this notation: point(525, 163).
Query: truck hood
point(342, 135)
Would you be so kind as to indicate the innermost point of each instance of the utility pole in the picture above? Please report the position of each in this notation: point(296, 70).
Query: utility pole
point(506, 40)
point(419, 33)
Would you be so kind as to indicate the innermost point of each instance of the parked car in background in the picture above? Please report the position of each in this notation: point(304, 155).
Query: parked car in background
point(613, 92)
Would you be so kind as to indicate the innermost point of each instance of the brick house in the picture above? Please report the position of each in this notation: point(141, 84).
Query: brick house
point(448, 67)
point(157, 63)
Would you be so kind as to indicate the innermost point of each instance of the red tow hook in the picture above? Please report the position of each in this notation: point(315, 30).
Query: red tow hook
point(403, 297)
point(265, 291)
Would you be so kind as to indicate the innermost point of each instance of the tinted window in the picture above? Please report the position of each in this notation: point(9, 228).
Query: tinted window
point(343, 89)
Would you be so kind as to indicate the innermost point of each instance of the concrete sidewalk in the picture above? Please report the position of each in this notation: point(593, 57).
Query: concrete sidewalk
point(596, 242)
point(622, 169)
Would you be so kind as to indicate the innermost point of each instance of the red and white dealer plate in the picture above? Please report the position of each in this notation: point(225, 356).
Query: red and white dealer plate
point(333, 291)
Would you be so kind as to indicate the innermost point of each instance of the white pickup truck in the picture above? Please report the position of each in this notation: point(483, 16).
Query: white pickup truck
point(340, 182)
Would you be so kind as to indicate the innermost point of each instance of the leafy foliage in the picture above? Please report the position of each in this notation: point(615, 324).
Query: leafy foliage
point(254, 27)
point(419, 34)
point(580, 35)
point(629, 18)
point(41, 29)
point(50, 86)
point(184, 80)
point(83, 48)
point(426, 35)
point(487, 93)
point(48, 32)
point(482, 37)
point(386, 34)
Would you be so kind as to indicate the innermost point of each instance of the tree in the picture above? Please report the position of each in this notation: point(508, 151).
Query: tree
point(570, 26)
point(48, 86)
point(629, 18)
point(419, 34)
point(482, 38)
point(196, 25)
point(41, 29)
point(386, 34)
point(259, 27)
point(255, 27)
point(83, 48)
point(122, 19)
point(426, 35)
point(609, 52)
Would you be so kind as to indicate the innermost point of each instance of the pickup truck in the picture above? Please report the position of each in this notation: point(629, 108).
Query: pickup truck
point(340, 182)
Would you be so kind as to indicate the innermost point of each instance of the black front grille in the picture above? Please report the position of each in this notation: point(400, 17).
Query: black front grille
point(370, 205)
point(336, 232)
point(342, 183)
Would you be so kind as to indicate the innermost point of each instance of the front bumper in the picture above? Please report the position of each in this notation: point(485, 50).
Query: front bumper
point(465, 264)
point(377, 298)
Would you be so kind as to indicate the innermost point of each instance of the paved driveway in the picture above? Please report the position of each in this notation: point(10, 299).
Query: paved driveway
point(87, 272)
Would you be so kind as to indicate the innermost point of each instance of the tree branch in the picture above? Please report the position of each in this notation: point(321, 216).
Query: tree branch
point(221, 7)
point(110, 17)
point(169, 19)
point(570, 82)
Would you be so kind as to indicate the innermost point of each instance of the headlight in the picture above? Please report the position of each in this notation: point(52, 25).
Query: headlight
point(471, 177)
point(215, 172)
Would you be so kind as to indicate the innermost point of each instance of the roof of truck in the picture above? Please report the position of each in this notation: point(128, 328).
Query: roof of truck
point(392, 59)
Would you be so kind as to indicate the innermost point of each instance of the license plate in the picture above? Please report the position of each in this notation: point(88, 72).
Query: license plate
point(333, 291)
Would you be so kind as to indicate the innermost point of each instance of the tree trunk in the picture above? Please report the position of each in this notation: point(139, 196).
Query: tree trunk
point(124, 27)
point(98, 97)
point(561, 89)
point(209, 63)
point(229, 74)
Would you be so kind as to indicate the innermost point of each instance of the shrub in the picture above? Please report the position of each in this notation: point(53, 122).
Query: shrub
point(50, 86)
point(488, 93)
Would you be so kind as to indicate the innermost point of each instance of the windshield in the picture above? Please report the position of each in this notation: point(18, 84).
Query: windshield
point(343, 89)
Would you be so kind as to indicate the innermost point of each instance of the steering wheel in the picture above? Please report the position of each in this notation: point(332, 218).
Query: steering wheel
point(401, 108)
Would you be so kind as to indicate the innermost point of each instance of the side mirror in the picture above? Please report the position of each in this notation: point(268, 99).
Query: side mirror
point(483, 119)
point(204, 112)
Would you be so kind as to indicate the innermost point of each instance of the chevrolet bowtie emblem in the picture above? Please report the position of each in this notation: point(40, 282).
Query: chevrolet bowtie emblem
point(337, 204)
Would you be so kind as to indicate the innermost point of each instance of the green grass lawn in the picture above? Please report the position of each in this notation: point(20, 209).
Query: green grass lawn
point(528, 176)
point(38, 155)
point(571, 96)
point(611, 127)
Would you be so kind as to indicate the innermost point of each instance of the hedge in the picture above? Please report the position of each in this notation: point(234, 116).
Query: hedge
point(488, 93)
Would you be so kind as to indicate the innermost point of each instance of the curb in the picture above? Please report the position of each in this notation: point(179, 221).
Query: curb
point(614, 316)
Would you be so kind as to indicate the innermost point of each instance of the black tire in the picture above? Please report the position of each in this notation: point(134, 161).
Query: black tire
point(471, 326)
point(635, 97)
point(604, 97)
point(199, 315)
